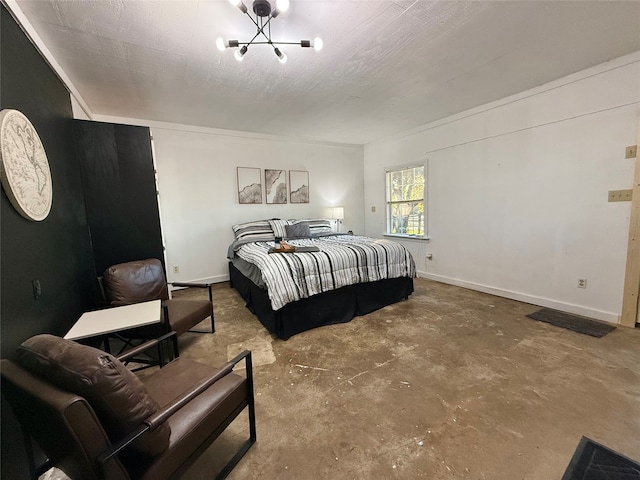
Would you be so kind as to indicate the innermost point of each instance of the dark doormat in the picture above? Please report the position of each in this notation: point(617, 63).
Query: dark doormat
point(572, 322)
point(592, 461)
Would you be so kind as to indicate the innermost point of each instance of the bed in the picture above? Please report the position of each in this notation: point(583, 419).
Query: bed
point(337, 278)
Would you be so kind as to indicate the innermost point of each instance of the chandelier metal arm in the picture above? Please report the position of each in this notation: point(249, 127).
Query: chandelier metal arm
point(265, 35)
point(250, 42)
point(261, 28)
point(301, 43)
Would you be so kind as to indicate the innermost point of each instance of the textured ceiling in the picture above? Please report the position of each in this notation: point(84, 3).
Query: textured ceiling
point(386, 66)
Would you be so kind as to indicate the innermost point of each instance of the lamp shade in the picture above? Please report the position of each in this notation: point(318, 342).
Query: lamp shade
point(338, 213)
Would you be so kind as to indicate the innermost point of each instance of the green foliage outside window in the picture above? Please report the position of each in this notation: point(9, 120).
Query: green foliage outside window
point(405, 201)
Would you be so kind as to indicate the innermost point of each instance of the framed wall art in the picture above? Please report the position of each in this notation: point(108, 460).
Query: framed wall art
point(299, 186)
point(275, 184)
point(249, 185)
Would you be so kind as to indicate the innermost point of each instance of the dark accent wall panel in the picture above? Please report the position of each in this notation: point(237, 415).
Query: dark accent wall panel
point(57, 250)
point(120, 192)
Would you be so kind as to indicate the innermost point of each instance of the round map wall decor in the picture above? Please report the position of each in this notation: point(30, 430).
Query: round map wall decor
point(24, 169)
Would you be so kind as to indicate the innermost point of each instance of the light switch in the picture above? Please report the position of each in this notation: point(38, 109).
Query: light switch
point(373, 209)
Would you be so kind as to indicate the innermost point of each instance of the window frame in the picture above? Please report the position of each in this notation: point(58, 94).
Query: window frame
point(389, 203)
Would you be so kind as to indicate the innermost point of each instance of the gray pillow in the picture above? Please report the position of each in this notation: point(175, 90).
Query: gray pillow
point(298, 230)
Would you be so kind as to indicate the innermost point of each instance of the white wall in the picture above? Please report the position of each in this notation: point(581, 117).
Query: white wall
point(517, 202)
point(199, 198)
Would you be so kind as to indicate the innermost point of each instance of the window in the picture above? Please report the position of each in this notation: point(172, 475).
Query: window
point(405, 200)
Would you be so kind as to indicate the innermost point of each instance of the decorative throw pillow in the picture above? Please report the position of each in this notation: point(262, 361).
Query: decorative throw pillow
point(258, 230)
point(279, 227)
point(298, 230)
point(118, 397)
point(319, 226)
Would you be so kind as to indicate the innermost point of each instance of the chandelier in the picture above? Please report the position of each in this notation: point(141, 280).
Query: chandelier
point(264, 13)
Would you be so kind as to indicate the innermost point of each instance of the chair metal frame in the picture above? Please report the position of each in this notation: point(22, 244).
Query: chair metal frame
point(162, 415)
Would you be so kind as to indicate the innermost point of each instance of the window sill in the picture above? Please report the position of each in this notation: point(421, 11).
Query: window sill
point(406, 237)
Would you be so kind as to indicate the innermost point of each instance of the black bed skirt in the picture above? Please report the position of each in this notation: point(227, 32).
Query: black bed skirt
point(337, 306)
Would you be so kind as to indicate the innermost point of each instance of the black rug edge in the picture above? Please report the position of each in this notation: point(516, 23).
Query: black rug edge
point(575, 468)
point(575, 323)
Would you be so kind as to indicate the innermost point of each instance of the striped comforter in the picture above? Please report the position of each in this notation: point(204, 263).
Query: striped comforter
point(342, 260)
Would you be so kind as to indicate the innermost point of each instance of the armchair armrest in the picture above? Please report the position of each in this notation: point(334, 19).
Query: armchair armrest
point(196, 285)
point(176, 404)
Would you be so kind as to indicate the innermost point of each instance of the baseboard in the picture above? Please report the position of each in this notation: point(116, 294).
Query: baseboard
point(610, 317)
point(215, 279)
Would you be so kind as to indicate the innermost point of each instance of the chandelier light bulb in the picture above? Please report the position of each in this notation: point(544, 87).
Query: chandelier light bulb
point(318, 44)
point(239, 4)
point(282, 57)
point(240, 53)
point(282, 5)
point(220, 44)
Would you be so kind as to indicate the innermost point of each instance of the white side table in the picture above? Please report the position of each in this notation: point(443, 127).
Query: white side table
point(115, 319)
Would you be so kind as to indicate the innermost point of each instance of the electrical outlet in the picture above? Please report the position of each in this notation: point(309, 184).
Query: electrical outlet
point(631, 151)
point(582, 283)
point(176, 269)
point(620, 195)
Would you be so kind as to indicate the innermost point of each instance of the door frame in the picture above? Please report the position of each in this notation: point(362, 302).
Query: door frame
point(631, 292)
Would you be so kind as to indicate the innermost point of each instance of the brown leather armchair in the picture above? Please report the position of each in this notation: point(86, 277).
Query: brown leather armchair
point(144, 280)
point(95, 419)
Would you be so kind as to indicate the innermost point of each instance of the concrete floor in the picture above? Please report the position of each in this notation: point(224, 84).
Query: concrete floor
point(451, 383)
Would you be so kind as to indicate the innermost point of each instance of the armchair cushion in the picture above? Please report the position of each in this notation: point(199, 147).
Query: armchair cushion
point(185, 314)
point(134, 282)
point(118, 397)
